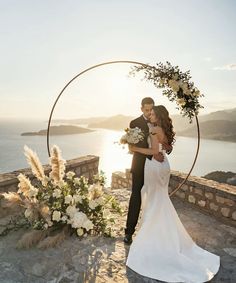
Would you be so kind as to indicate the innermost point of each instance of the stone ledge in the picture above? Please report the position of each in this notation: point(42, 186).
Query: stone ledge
point(88, 165)
point(209, 196)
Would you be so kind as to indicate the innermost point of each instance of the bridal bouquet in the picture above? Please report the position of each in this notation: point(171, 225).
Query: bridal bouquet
point(132, 136)
point(61, 203)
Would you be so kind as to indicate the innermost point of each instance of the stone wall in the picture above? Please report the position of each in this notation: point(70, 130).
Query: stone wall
point(212, 197)
point(86, 166)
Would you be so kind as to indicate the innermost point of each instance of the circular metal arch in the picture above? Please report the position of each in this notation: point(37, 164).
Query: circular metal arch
point(120, 62)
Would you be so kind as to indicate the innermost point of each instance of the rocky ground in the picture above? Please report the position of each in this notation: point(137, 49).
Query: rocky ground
point(99, 259)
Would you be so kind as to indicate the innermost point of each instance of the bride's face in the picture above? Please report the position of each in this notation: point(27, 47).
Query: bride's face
point(153, 117)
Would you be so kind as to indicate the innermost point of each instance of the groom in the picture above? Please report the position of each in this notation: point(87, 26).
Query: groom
point(137, 168)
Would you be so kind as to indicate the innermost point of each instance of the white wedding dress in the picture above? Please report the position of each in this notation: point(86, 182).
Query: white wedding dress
point(162, 248)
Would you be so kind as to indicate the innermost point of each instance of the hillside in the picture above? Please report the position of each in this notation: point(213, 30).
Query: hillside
point(118, 122)
point(214, 129)
point(59, 130)
point(219, 125)
point(80, 120)
point(181, 124)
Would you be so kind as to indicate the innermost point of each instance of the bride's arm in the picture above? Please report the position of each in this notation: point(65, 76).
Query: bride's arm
point(148, 151)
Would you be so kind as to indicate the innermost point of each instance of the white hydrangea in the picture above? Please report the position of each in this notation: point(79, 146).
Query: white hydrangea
point(71, 210)
point(88, 225)
point(56, 216)
point(79, 219)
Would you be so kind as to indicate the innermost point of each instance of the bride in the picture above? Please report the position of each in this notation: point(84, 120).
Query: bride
point(162, 248)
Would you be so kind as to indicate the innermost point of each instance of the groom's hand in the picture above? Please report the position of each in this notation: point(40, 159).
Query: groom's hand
point(130, 148)
point(167, 147)
point(159, 157)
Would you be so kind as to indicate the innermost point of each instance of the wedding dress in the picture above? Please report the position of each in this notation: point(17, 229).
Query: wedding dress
point(162, 248)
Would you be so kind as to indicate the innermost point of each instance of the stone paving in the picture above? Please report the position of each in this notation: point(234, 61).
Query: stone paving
point(99, 259)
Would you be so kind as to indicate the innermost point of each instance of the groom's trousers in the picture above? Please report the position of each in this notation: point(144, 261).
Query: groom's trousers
point(135, 202)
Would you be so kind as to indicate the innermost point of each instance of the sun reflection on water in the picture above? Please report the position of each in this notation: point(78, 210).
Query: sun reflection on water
point(113, 157)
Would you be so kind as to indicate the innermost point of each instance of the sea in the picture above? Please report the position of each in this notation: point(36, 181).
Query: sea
point(213, 155)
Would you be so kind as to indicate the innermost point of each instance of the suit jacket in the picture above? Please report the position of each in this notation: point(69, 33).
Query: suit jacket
point(139, 159)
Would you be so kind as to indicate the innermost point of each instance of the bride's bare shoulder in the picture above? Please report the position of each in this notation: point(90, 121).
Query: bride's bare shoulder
point(157, 130)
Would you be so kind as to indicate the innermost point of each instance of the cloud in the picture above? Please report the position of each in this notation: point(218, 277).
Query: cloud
point(229, 67)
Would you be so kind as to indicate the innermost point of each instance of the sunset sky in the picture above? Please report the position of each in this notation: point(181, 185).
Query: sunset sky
point(44, 43)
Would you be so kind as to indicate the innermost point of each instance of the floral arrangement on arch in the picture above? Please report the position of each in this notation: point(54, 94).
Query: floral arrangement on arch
point(177, 84)
point(61, 204)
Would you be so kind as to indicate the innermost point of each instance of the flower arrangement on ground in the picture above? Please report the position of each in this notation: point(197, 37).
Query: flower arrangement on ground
point(61, 204)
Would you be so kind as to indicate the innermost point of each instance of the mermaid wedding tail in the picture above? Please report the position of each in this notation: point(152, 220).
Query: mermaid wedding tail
point(162, 248)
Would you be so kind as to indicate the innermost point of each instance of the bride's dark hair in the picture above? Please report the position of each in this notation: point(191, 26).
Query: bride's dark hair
point(165, 122)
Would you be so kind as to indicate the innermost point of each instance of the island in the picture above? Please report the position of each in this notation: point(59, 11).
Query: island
point(222, 177)
point(60, 130)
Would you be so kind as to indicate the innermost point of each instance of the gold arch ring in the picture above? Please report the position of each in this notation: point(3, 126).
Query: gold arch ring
point(120, 62)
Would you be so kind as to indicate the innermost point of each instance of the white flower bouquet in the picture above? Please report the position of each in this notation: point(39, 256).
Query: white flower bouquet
point(61, 202)
point(132, 136)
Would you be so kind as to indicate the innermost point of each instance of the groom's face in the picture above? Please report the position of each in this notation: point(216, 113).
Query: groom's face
point(146, 109)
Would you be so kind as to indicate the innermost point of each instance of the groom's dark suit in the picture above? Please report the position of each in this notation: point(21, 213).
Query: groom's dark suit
point(137, 170)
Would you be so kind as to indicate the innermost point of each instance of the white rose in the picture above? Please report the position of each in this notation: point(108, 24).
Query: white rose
point(56, 193)
point(80, 232)
point(56, 216)
point(68, 199)
point(71, 210)
point(174, 85)
point(181, 101)
point(184, 86)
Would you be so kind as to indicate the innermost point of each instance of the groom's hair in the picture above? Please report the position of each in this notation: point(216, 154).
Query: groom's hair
point(147, 100)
